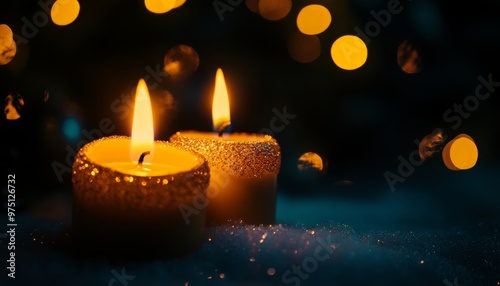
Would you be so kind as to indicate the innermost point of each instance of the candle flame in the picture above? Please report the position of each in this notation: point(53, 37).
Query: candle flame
point(220, 104)
point(142, 139)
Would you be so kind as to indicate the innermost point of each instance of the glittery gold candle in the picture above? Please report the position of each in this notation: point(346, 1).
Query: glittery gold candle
point(243, 168)
point(120, 212)
point(243, 175)
point(126, 203)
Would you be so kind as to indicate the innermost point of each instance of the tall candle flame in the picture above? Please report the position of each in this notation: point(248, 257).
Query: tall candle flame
point(142, 139)
point(220, 104)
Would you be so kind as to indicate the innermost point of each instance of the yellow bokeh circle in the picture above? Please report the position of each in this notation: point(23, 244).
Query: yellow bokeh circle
point(349, 52)
point(461, 153)
point(64, 12)
point(313, 19)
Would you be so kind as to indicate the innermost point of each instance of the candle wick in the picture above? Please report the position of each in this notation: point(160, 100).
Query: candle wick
point(141, 159)
point(223, 128)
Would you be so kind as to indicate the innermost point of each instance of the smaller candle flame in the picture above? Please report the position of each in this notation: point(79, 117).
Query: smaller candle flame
point(220, 104)
point(142, 139)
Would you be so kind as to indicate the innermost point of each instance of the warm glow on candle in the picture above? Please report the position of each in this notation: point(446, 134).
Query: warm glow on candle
point(220, 104)
point(142, 139)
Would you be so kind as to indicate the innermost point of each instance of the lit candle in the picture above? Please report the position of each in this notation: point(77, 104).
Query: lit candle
point(127, 192)
point(243, 167)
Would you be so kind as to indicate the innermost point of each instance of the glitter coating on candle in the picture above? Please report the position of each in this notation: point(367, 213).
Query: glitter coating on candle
point(244, 155)
point(91, 183)
point(115, 208)
point(243, 174)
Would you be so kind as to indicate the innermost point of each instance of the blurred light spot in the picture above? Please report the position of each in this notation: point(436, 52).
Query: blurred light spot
point(253, 5)
point(313, 19)
point(430, 144)
point(179, 3)
point(460, 153)
point(181, 61)
point(64, 12)
point(271, 271)
point(162, 6)
point(274, 10)
point(349, 52)
point(71, 128)
point(8, 50)
point(409, 58)
point(304, 48)
point(46, 96)
point(6, 32)
point(166, 100)
point(13, 105)
point(310, 161)
point(8, 47)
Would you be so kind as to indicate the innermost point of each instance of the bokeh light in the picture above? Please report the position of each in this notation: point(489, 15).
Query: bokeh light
point(271, 271)
point(349, 52)
point(461, 153)
point(162, 6)
point(13, 106)
point(181, 61)
point(179, 3)
point(8, 47)
point(7, 52)
point(71, 128)
point(430, 145)
point(274, 10)
point(64, 12)
point(409, 58)
point(304, 48)
point(6, 34)
point(253, 5)
point(313, 19)
point(310, 161)
point(159, 6)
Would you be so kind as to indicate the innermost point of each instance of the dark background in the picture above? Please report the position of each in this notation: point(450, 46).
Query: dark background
point(360, 122)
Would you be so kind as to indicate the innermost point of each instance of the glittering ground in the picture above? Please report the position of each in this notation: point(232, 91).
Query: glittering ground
point(317, 241)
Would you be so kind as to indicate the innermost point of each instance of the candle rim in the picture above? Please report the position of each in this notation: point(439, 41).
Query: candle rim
point(83, 153)
point(260, 137)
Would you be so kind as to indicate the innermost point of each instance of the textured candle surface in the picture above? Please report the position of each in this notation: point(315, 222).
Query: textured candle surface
point(244, 169)
point(113, 210)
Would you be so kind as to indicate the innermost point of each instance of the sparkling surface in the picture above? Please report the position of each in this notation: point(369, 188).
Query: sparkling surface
point(238, 158)
point(233, 255)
